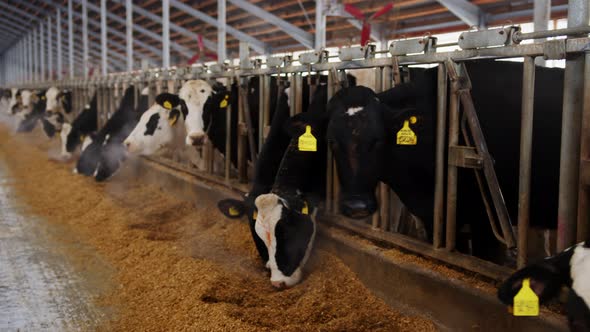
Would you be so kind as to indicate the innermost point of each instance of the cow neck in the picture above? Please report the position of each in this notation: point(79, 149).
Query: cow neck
point(291, 175)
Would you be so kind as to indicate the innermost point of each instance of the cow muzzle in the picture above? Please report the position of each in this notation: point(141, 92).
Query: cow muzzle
point(357, 206)
point(196, 139)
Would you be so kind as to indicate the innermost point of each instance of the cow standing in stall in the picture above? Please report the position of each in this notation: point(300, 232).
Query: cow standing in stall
point(363, 128)
point(31, 111)
point(59, 107)
point(80, 131)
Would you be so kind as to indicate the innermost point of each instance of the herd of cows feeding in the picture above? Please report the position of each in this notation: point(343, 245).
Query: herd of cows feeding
point(360, 127)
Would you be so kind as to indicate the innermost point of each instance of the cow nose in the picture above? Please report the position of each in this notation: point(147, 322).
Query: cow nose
point(197, 139)
point(356, 208)
point(278, 284)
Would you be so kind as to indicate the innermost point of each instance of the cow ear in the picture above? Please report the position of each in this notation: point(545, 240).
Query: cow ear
point(173, 116)
point(167, 100)
point(231, 208)
point(296, 125)
point(544, 278)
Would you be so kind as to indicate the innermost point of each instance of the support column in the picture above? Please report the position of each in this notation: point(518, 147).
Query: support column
point(320, 25)
point(49, 49)
point(221, 30)
point(103, 37)
point(570, 134)
point(59, 45)
point(166, 33)
point(85, 37)
point(129, 33)
point(42, 51)
point(71, 38)
point(541, 17)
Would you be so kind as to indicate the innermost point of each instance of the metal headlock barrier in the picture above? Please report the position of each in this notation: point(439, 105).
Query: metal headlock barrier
point(389, 67)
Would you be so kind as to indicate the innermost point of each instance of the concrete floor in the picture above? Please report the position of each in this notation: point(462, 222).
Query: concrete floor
point(40, 288)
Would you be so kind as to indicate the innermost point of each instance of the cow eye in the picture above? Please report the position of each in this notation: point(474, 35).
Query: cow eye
point(202, 90)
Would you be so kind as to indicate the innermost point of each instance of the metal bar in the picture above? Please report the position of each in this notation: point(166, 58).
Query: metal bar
point(575, 31)
point(166, 33)
point(256, 44)
point(570, 134)
point(129, 33)
point(466, 11)
point(541, 17)
point(526, 143)
point(221, 28)
point(441, 122)
point(103, 37)
point(49, 47)
point(227, 139)
point(452, 178)
point(42, 51)
point(59, 44)
point(71, 37)
point(303, 37)
point(583, 232)
point(85, 37)
point(320, 25)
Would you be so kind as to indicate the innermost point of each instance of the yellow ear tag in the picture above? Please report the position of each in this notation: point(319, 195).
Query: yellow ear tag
point(307, 141)
point(526, 302)
point(234, 212)
point(255, 215)
point(42, 97)
point(167, 105)
point(82, 138)
point(223, 103)
point(406, 136)
point(305, 208)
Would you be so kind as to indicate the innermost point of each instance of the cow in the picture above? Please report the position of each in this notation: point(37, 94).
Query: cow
point(288, 184)
point(80, 130)
point(14, 99)
point(105, 153)
point(159, 127)
point(570, 268)
point(363, 127)
point(32, 109)
point(5, 98)
point(59, 105)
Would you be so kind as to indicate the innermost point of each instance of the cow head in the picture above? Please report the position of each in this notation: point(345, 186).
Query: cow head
point(54, 118)
point(569, 268)
point(15, 98)
point(23, 102)
point(288, 230)
point(158, 126)
point(357, 137)
point(195, 94)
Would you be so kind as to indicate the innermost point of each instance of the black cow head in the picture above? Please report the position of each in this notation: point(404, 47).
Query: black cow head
point(569, 268)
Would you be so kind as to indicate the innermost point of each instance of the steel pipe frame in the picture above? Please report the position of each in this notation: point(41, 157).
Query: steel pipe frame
point(59, 44)
point(129, 33)
point(166, 33)
point(49, 47)
point(42, 53)
point(85, 37)
point(103, 37)
point(569, 167)
point(320, 25)
point(70, 37)
point(256, 44)
point(221, 30)
point(469, 13)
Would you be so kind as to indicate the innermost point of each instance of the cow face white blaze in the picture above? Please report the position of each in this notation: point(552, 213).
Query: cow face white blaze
point(13, 99)
point(195, 94)
point(155, 130)
point(52, 102)
point(272, 214)
point(65, 131)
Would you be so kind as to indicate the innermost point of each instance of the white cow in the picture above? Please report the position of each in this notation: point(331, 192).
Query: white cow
point(195, 93)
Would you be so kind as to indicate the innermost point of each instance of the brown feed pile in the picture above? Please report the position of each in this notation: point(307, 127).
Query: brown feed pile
point(183, 266)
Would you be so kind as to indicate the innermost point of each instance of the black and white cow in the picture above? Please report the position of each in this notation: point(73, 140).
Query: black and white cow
point(5, 100)
point(80, 130)
point(106, 152)
point(570, 268)
point(15, 98)
point(161, 126)
point(363, 128)
point(59, 104)
point(32, 109)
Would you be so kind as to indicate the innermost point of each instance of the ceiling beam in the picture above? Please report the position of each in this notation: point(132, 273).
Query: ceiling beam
point(469, 13)
point(257, 45)
point(303, 37)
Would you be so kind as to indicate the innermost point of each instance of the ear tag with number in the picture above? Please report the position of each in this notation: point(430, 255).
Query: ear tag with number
point(305, 208)
point(167, 105)
point(307, 141)
point(234, 212)
point(526, 302)
point(406, 136)
point(223, 103)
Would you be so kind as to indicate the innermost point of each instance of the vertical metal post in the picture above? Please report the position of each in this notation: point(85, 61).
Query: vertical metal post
point(221, 27)
point(71, 37)
point(129, 33)
point(439, 182)
point(103, 36)
point(452, 171)
point(42, 51)
point(49, 48)
point(320, 25)
point(166, 33)
point(330, 178)
point(526, 143)
point(85, 37)
point(30, 56)
point(583, 232)
point(541, 17)
point(570, 133)
point(59, 45)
